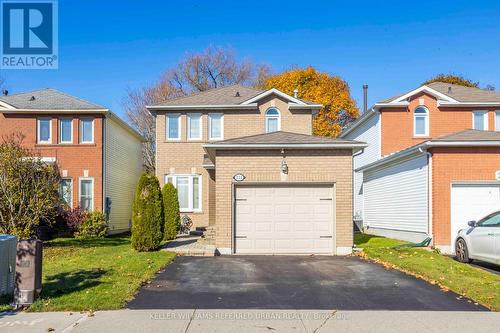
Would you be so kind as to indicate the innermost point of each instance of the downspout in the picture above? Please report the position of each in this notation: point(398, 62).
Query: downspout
point(430, 226)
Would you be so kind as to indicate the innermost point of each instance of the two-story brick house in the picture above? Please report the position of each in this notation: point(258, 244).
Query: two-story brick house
point(431, 165)
point(246, 165)
point(98, 154)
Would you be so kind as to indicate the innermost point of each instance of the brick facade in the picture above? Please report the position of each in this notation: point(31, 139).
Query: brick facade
point(72, 159)
point(186, 156)
point(305, 166)
point(397, 123)
point(449, 165)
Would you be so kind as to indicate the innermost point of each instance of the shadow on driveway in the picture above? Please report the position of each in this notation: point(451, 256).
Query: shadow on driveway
point(291, 282)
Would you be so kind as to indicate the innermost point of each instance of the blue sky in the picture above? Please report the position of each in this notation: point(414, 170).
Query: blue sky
point(107, 46)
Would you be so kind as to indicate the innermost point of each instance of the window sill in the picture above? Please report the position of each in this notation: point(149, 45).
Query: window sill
point(191, 211)
point(421, 137)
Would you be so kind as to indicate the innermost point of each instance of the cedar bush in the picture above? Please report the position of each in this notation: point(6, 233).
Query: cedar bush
point(172, 212)
point(94, 226)
point(147, 214)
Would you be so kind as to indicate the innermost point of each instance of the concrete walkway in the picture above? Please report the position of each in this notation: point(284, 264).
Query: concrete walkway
point(191, 246)
point(242, 321)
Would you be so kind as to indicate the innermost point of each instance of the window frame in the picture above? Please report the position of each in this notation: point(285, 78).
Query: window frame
point(80, 179)
point(190, 208)
point(167, 124)
point(497, 120)
point(268, 116)
point(60, 130)
point(81, 121)
point(210, 118)
point(426, 121)
point(71, 187)
point(38, 132)
point(485, 119)
point(189, 118)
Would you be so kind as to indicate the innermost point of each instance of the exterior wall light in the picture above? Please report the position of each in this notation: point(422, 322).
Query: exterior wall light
point(284, 167)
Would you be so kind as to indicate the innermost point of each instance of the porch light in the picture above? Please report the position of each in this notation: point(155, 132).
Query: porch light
point(284, 167)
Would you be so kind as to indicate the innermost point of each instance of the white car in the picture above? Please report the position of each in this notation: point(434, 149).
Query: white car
point(480, 241)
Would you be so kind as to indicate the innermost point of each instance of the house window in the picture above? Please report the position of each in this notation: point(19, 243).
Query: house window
point(216, 126)
point(87, 130)
point(66, 130)
point(44, 130)
point(66, 191)
point(421, 123)
point(480, 120)
point(273, 123)
point(194, 126)
point(173, 127)
point(497, 120)
point(87, 194)
point(188, 190)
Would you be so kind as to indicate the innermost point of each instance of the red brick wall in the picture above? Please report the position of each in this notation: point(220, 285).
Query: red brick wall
point(75, 158)
point(457, 164)
point(397, 123)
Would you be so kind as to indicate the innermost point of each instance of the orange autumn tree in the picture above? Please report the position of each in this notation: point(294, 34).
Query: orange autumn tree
point(339, 109)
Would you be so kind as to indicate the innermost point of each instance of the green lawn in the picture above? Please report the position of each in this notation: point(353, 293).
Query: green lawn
point(94, 274)
point(474, 283)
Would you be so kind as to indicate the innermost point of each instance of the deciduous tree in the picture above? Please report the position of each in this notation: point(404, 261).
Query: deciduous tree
point(338, 110)
point(453, 79)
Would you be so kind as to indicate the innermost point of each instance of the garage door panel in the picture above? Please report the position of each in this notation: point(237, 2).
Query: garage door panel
point(471, 202)
point(284, 219)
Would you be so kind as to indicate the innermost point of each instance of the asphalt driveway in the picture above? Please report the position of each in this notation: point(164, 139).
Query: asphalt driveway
point(291, 282)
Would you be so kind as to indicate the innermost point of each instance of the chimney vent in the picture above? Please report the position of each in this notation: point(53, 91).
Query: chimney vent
point(237, 94)
point(32, 98)
point(5, 92)
point(365, 98)
point(296, 93)
point(449, 90)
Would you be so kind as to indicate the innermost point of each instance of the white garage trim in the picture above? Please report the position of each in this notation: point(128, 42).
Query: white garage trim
point(314, 249)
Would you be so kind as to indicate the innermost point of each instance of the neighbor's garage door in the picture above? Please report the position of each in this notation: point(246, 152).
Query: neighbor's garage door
point(284, 219)
point(471, 202)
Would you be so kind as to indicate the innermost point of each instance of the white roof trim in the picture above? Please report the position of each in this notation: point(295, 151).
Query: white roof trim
point(6, 105)
point(286, 145)
point(363, 119)
point(426, 89)
point(306, 106)
point(13, 110)
point(424, 146)
point(270, 92)
point(200, 107)
point(391, 105)
point(474, 104)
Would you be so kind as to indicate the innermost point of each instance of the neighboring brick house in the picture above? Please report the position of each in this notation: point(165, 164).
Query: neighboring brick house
point(246, 166)
point(98, 154)
point(431, 165)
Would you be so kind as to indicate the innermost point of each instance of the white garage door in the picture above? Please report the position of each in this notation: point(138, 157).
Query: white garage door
point(284, 219)
point(471, 202)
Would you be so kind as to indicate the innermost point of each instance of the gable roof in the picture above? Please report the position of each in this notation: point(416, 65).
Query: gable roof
point(284, 138)
point(465, 138)
point(217, 96)
point(230, 97)
point(48, 99)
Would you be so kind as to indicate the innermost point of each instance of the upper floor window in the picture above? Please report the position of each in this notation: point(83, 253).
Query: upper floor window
point(87, 130)
point(272, 120)
point(421, 127)
point(215, 126)
point(480, 120)
point(44, 130)
point(497, 120)
point(66, 130)
point(194, 126)
point(173, 127)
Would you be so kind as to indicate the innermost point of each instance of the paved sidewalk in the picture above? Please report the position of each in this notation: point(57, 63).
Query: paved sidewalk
point(191, 246)
point(242, 321)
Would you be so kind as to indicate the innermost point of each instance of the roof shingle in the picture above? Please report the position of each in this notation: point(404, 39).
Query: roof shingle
point(470, 135)
point(48, 99)
point(281, 137)
point(231, 95)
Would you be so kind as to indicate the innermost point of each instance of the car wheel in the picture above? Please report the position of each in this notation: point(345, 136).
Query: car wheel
point(461, 251)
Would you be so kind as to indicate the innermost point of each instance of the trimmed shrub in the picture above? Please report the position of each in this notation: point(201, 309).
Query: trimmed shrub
point(172, 212)
point(94, 226)
point(147, 214)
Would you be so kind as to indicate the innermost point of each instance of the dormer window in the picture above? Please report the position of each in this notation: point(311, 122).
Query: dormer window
point(273, 121)
point(421, 121)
